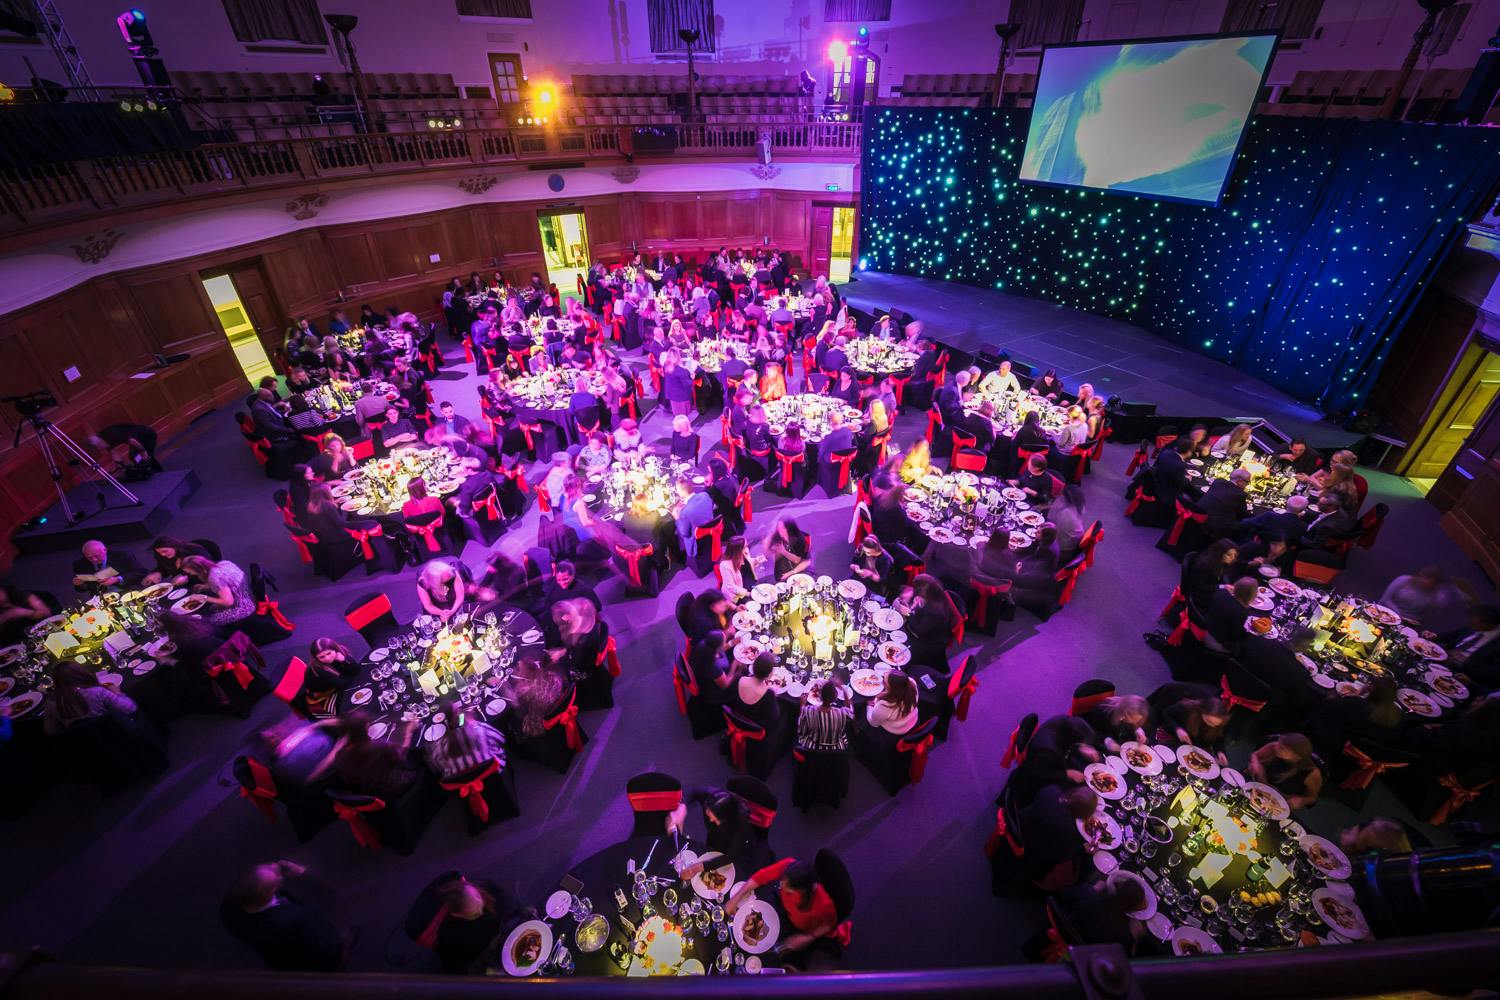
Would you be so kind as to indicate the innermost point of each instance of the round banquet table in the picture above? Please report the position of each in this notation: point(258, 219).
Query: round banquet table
point(710, 943)
point(712, 352)
point(1224, 865)
point(962, 508)
point(546, 396)
point(377, 486)
point(1358, 640)
point(811, 412)
point(872, 357)
point(1011, 408)
point(389, 686)
point(1270, 484)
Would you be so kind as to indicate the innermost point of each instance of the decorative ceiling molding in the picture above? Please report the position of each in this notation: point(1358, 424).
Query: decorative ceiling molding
point(478, 185)
point(625, 175)
point(96, 246)
point(765, 171)
point(306, 206)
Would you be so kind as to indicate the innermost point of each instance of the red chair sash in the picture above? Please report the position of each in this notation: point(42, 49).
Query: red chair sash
point(958, 621)
point(744, 502)
point(1183, 517)
point(918, 753)
point(1234, 699)
point(961, 710)
point(363, 536)
point(1013, 754)
point(517, 475)
point(1172, 602)
point(568, 719)
point(738, 741)
point(528, 430)
point(368, 612)
point(428, 533)
point(1069, 579)
point(716, 532)
point(303, 541)
point(1184, 628)
point(681, 690)
point(473, 791)
point(758, 815)
point(240, 669)
point(287, 516)
point(1140, 496)
point(609, 657)
point(933, 422)
point(655, 801)
point(843, 463)
point(1367, 768)
point(488, 505)
point(633, 559)
point(1089, 545)
point(1000, 834)
point(264, 792)
point(364, 833)
point(982, 594)
point(1458, 796)
point(787, 461)
point(898, 387)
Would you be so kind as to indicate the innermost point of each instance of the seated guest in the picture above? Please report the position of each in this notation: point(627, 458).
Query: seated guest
point(997, 560)
point(225, 588)
point(397, 430)
point(706, 613)
point(1198, 434)
point(1073, 434)
point(1200, 719)
point(1066, 515)
point(594, 458)
point(1119, 719)
point(1225, 503)
point(419, 502)
point(1428, 596)
point(330, 669)
point(1002, 379)
point(980, 425)
point(791, 441)
point(1049, 386)
point(297, 752)
point(1225, 612)
point(467, 916)
point(1375, 717)
point(754, 697)
point(1475, 649)
point(76, 695)
point(467, 745)
point(450, 421)
point(1303, 460)
point(270, 910)
point(808, 907)
point(1059, 748)
point(100, 569)
point(1332, 522)
point(1266, 550)
point(533, 690)
point(1099, 912)
point(823, 723)
point(929, 621)
point(336, 459)
point(872, 564)
point(839, 438)
point(1055, 849)
point(684, 441)
point(1286, 763)
point(169, 554)
point(1036, 482)
point(565, 586)
point(1288, 523)
point(713, 671)
point(1232, 445)
point(846, 387)
point(789, 548)
point(1170, 470)
point(952, 563)
point(627, 439)
point(894, 710)
point(440, 588)
point(1341, 470)
point(386, 768)
point(1030, 436)
point(736, 571)
point(1035, 576)
point(950, 399)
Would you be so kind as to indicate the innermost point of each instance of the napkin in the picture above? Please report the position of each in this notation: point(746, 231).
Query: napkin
point(1276, 873)
point(118, 642)
point(479, 663)
point(428, 681)
point(58, 643)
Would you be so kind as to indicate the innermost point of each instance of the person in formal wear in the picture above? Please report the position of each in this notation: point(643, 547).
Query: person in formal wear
point(1036, 482)
point(77, 694)
point(872, 564)
point(1205, 571)
point(1234, 444)
point(697, 510)
point(272, 910)
point(1289, 523)
point(451, 421)
point(737, 570)
point(418, 501)
point(1475, 649)
point(809, 908)
point(397, 430)
point(838, 438)
point(714, 673)
point(894, 710)
point(684, 444)
point(677, 384)
point(468, 916)
point(823, 721)
point(1048, 386)
point(99, 569)
point(225, 588)
point(788, 547)
point(627, 439)
point(269, 421)
point(1031, 436)
point(1331, 523)
point(1225, 503)
point(1225, 612)
point(1050, 827)
point(1286, 763)
point(1099, 912)
point(441, 588)
point(980, 425)
point(335, 460)
point(1170, 469)
point(755, 699)
point(1303, 460)
point(929, 620)
point(169, 553)
point(950, 399)
point(331, 668)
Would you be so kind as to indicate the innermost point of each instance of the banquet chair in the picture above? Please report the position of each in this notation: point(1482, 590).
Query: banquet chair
point(902, 761)
point(962, 685)
point(958, 440)
point(1354, 768)
point(816, 383)
point(755, 466)
point(709, 548)
point(427, 537)
point(819, 777)
point(398, 824)
point(750, 747)
point(307, 809)
point(291, 686)
point(1140, 459)
point(487, 515)
point(861, 525)
point(246, 682)
point(836, 881)
point(260, 445)
point(1089, 542)
point(1443, 796)
point(1066, 580)
point(596, 667)
point(488, 791)
point(111, 751)
point(371, 615)
point(562, 737)
point(834, 477)
point(1145, 509)
point(639, 567)
point(268, 624)
point(1088, 695)
point(1187, 533)
point(1005, 847)
point(310, 548)
point(1369, 525)
point(992, 603)
point(760, 809)
point(362, 449)
point(704, 717)
point(1248, 696)
point(790, 479)
point(1310, 570)
point(967, 460)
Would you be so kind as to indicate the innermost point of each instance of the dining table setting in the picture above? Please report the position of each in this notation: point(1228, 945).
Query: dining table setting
point(811, 412)
point(642, 908)
point(1356, 640)
point(115, 634)
point(710, 353)
point(653, 477)
point(1271, 482)
point(965, 508)
point(549, 392)
point(377, 487)
point(878, 357)
point(821, 629)
point(466, 658)
point(1011, 407)
point(1224, 865)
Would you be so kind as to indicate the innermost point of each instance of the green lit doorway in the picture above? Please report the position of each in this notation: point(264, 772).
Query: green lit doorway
point(841, 248)
point(565, 249)
point(246, 317)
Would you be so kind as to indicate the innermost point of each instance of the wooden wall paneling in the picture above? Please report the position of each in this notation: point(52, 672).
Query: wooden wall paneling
point(603, 221)
point(301, 274)
point(742, 222)
point(173, 310)
point(461, 245)
point(683, 219)
point(395, 252)
point(1421, 362)
point(789, 222)
point(655, 220)
point(354, 260)
point(713, 219)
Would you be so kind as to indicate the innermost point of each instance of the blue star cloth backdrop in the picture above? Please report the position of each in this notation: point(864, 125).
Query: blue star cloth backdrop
point(1327, 234)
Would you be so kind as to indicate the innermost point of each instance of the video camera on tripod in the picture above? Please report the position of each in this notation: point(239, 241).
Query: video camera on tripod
point(32, 403)
point(30, 406)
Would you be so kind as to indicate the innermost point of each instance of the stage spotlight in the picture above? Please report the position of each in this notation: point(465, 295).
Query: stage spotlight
point(133, 27)
point(864, 263)
point(544, 93)
point(837, 52)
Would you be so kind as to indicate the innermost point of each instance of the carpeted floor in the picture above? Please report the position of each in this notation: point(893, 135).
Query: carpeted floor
point(137, 878)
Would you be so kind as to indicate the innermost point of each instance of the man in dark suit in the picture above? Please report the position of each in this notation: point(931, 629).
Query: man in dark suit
point(1170, 469)
point(950, 399)
point(1475, 649)
point(1225, 504)
point(272, 913)
point(781, 314)
point(980, 424)
point(1289, 523)
point(269, 421)
point(734, 370)
point(835, 359)
point(451, 422)
point(583, 406)
point(99, 569)
point(1331, 522)
point(1225, 613)
point(565, 586)
point(838, 438)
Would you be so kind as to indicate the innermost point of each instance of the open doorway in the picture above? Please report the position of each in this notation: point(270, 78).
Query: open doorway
point(237, 317)
point(565, 249)
point(1460, 406)
point(841, 248)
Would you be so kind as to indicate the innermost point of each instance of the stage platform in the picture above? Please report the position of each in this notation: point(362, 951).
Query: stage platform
point(108, 517)
point(1119, 359)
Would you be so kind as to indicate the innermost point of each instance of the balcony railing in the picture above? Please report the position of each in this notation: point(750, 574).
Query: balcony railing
point(49, 193)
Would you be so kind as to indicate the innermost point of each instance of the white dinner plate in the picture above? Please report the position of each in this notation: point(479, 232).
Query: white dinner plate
point(361, 696)
point(378, 729)
point(768, 915)
point(1105, 782)
point(558, 903)
point(1187, 941)
point(1148, 908)
point(1267, 801)
point(527, 948)
point(702, 888)
point(1325, 856)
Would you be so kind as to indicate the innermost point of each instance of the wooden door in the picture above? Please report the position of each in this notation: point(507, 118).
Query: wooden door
point(822, 239)
point(505, 70)
point(262, 308)
point(1475, 384)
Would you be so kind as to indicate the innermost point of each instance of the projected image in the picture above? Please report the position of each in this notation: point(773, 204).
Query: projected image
point(1162, 119)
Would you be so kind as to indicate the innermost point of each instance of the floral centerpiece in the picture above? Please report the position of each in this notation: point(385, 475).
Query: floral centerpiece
point(650, 477)
point(379, 485)
point(1011, 408)
point(712, 352)
point(90, 624)
point(552, 389)
point(659, 948)
point(880, 357)
point(811, 412)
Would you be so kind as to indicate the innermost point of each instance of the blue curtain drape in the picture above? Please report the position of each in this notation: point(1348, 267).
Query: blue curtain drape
point(1326, 237)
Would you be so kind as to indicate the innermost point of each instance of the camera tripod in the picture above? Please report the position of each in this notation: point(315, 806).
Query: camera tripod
point(44, 432)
